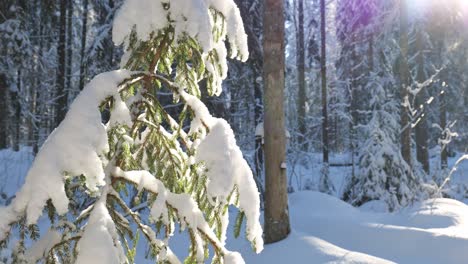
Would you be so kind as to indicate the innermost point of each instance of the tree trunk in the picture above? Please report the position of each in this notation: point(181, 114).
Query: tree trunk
point(421, 129)
point(3, 110)
point(69, 49)
point(60, 106)
point(323, 67)
point(110, 42)
point(83, 44)
point(300, 61)
point(405, 137)
point(443, 125)
point(353, 142)
point(16, 115)
point(370, 53)
point(276, 200)
point(443, 105)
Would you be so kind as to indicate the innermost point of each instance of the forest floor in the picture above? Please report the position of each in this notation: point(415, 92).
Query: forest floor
point(326, 229)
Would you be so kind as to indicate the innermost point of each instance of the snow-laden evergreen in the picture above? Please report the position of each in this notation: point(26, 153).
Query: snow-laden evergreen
point(383, 174)
point(87, 169)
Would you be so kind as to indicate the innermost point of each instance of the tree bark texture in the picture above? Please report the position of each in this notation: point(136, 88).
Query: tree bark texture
point(276, 200)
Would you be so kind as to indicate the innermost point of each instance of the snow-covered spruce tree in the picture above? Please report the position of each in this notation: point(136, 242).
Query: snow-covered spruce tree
point(383, 174)
point(85, 169)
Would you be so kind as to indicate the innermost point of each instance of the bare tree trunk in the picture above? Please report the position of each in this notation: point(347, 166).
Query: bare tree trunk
point(16, 115)
point(405, 137)
point(69, 48)
point(370, 53)
point(353, 109)
point(110, 43)
point(323, 64)
point(443, 124)
point(300, 61)
point(3, 110)
point(83, 44)
point(421, 129)
point(60, 79)
point(443, 105)
point(276, 200)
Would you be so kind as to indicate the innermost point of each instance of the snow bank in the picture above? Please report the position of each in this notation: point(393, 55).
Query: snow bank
point(327, 230)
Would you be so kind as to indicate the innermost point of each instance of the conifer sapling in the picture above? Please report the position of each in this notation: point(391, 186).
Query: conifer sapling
point(96, 176)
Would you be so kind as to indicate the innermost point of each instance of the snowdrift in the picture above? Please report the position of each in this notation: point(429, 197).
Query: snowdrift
point(327, 230)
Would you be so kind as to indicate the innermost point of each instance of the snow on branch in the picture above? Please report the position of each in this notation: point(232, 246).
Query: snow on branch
point(208, 22)
point(183, 204)
point(192, 18)
point(100, 242)
point(74, 148)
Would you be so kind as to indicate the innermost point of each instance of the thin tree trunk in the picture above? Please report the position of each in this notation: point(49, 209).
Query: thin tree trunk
point(258, 114)
point(405, 137)
point(3, 110)
point(60, 79)
point(443, 124)
point(16, 121)
point(323, 63)
point(443, 106)
point(370, 53)
point(300, 61)
point(276, 200)
point(111, 44)
point(353, 109)
point(83, 44)
point(421, 129)
point(69, 47)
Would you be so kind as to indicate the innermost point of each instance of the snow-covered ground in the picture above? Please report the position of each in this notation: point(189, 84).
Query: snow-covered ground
point(13, 169)
point(305, 174)
point(327, 230)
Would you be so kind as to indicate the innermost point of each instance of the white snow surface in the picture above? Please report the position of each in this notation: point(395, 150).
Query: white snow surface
point(42, 247)
point(328, 230)
point(100, 242)
point(73, 148)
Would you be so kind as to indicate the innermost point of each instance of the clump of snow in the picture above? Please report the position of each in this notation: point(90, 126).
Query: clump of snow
point(212, 67)
point(192, 18)
point(233, 258)
point(147, 16)
point(42, 247)
point(73, 148)
point(227, 168)
point(187, 17)
point(234, 27)
point(100, 242)
point(120, 113)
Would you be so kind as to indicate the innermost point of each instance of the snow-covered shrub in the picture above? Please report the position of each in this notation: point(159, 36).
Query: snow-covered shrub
point(86, 168)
